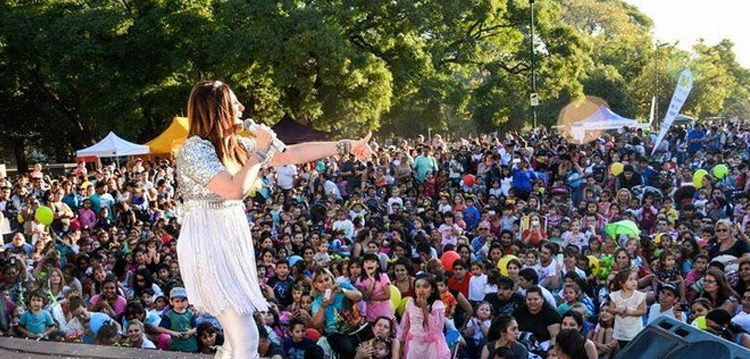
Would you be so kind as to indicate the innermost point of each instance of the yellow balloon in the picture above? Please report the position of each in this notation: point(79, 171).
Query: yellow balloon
point(593, 263)
point(616, 168)
point(20, 218)
point(502, 264)
point(698, 178)
point(44, 215)
point(402, 305)
point(700, 322)
point(395, 297)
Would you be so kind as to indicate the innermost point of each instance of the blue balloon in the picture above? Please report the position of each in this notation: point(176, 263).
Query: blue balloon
point(294, 259)
point(452, 337)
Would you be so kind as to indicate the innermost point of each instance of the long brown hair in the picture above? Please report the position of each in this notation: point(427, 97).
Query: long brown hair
point(211, 116)
point(724, 290)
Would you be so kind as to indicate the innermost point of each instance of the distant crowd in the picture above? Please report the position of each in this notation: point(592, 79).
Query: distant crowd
point(513, 246)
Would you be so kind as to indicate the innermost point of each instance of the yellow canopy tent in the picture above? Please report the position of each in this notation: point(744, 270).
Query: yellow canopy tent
point(170, 141)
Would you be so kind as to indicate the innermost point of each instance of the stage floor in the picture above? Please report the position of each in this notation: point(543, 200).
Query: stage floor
point(13, 348)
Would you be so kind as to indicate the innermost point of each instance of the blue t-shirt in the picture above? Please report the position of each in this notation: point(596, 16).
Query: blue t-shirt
point(695, 135)
point(522, 179)
point(36, 323)
point(341, 317)
point(423, 165)
point(96, 322)
point(27, 248)
point(100, 201)
point(295, 350)
point(281, 289)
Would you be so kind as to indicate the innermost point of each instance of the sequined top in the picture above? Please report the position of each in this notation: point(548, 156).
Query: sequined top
point(197, 164)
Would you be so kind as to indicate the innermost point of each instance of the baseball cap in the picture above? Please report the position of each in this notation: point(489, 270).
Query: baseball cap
point(178, 292)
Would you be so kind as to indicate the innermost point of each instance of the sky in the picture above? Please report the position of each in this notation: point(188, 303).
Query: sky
point(687, 21)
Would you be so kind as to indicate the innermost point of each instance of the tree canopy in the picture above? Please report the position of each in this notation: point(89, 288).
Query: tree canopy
point(76, 69)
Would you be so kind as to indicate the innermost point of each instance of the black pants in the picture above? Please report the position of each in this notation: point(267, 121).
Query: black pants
point(345, 345)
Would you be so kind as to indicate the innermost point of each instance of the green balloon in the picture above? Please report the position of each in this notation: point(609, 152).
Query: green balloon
point(720, 171)
point(44, 215)
point(603, 273)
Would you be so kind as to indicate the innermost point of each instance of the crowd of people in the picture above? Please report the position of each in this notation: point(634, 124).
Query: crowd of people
point(493, 247)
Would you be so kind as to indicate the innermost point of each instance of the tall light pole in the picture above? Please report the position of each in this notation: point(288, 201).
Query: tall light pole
point(659, 45)
point(533, 98)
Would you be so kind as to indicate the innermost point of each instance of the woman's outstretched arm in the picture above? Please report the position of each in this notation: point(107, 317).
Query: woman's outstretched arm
point(311, 151)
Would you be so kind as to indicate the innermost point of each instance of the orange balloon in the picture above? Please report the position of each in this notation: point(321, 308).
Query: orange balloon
point(448, 258)
point(469, 180)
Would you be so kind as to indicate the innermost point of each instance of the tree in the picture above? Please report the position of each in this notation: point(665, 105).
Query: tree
point(621, 50)
point(78, 69)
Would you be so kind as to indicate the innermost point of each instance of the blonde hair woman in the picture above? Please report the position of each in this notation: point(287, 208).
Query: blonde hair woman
point(216, 169)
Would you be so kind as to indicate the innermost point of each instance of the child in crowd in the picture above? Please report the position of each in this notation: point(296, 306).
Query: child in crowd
point(382, 348)
point(668, 272)
point(477, 283)
point(209, 338)
point(699, 309)
point(296, 298)
point(460, 280)
point(422, 325)
point(179, 322)
point(296, 345)
point(531, 259)
point(667, 305)
point(448, 299)
point(627, 304)
point(36, 323)
point(606, 345)
point(375, 287)
point(572, 294)
point(477, 329)
point(693, 283)
point(321, 257)
point(281, 283)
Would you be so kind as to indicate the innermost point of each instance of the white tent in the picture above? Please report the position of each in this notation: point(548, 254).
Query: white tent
point(605, 119)
point(113, 146)
point(601, 120)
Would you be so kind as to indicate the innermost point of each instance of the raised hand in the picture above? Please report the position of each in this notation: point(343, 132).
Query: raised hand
point(263, 138)
point(361, 148)
point(421, 302)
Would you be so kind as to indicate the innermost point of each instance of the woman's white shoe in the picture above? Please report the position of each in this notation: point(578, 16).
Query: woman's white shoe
point(222, 353)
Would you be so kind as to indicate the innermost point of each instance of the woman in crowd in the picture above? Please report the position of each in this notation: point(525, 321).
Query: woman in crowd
point(718, 291)
point(502, 335)
point(537, 316)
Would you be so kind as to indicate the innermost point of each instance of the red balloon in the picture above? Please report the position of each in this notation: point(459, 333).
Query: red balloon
point(448, 258)
point(75, 225)
point(312, 334)
point(469, 180)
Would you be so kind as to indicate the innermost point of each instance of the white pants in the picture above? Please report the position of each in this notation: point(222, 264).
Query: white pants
point(240, 334)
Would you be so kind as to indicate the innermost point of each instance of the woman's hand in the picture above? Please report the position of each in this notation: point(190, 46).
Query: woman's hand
point(361, 149)
point(421, 302)
point(263, 138)
point(327, 302)
point(364, 351)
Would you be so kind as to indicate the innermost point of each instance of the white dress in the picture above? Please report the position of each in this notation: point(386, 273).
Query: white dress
point(215, 248)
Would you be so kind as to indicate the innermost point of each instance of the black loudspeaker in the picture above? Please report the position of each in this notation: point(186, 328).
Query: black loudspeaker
point(666, 338)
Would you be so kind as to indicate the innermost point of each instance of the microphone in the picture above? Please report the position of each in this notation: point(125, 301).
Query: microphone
point(250, 125)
